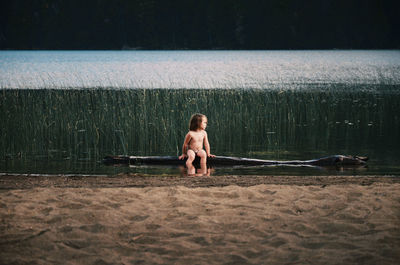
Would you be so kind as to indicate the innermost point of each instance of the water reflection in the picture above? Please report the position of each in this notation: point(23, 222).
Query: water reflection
point(373, 167)
point(196, 171)
point(278, 170)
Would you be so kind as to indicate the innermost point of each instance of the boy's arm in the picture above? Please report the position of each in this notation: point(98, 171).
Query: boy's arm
point(185, 143)
point(207, 145)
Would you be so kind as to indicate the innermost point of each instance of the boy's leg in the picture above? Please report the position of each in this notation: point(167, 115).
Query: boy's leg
point(191, 156)
point(203, 157)
point(191, 170)
point(203, 170)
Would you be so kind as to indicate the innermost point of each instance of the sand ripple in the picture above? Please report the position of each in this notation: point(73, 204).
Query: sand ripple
point(262, 224)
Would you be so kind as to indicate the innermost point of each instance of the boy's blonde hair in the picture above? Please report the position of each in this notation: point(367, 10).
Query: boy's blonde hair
point(195, 121)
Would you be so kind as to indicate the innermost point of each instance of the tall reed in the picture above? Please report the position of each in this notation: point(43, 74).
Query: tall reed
point(92, 123)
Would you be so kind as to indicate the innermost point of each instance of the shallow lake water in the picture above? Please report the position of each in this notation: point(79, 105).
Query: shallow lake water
point(63, 111)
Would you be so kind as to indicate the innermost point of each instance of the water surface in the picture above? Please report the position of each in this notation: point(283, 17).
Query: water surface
point(196, 69)
point(63, 111)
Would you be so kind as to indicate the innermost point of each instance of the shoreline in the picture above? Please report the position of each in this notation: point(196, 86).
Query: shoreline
point(126, 180)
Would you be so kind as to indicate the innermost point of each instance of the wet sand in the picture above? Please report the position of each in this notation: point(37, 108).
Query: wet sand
point(130, 219)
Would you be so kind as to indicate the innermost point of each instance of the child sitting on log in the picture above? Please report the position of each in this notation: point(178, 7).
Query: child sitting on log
point(194, 140)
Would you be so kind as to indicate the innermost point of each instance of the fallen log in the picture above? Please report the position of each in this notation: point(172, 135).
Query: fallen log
point(334, 160)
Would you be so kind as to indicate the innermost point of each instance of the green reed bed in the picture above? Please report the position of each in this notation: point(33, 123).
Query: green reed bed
point(89, 124)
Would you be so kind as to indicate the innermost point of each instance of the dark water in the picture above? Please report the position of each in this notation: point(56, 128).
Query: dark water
point(68, 127)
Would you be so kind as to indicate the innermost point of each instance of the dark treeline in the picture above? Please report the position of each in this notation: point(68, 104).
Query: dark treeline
point(199, 24)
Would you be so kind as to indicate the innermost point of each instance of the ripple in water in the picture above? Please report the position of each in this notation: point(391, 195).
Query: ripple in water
point(196, 69)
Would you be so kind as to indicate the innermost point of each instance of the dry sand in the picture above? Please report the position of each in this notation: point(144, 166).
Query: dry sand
point(52, 221)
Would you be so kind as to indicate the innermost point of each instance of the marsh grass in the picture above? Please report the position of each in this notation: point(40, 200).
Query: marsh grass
point(88, 124)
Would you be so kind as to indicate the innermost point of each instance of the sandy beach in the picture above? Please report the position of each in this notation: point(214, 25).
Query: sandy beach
point(129, 219)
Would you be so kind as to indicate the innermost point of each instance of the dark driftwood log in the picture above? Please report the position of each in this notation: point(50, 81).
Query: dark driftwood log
point(335, 160)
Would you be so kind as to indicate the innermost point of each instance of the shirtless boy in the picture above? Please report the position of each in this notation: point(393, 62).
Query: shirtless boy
point(194, 140)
